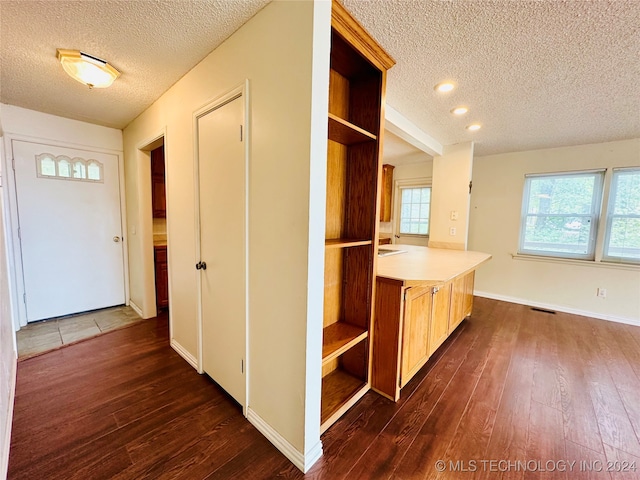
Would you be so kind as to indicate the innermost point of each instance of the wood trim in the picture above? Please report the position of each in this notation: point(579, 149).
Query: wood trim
point(354, 33)
point(339, 337)
point(345, 243)
point(346, 133)
point(387, 337)
point(353, 399)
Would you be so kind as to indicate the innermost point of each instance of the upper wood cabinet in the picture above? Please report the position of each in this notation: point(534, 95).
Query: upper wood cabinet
point(356, 88)
point(386, 193)
point(158, 192)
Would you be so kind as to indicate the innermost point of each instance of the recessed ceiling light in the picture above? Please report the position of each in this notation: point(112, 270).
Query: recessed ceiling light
point(444, 87)
point(91, 71)
point(473, 127)
point(459, 110)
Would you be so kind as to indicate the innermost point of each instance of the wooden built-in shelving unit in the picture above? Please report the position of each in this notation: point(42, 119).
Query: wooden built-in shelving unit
point(356, 90)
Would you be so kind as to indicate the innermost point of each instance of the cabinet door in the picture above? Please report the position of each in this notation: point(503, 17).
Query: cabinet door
point(158, 195)
point(468, 293)
point(457, 303)
point(162, 278)
point(386, 192)
point(415, 336)
point(440, 316)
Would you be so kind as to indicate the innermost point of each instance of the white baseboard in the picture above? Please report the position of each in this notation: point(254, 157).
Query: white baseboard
point(136, 308)
point(303, 461)
point(191, 360)
point(558, 308)
point(4, 452)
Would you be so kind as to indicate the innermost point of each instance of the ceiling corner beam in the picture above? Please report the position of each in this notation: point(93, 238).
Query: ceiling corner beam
point(404, 128)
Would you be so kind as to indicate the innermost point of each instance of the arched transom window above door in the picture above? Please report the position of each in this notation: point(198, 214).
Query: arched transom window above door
point(65, 168)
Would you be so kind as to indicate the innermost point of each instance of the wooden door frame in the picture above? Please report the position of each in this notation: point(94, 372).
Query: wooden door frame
point(240, 91)
point(14, 248)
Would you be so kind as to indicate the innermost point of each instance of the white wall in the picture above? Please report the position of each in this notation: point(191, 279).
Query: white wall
point(496, 202)
point(8, 351)
point(29, 125)
point(283, 52)
point(450, 193)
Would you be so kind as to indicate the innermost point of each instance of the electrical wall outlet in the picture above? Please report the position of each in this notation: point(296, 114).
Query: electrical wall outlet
point(602, 292)
point(452, 231)
point(454, 215)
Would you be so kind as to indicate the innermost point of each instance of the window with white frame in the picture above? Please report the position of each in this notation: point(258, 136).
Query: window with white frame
point(622, 236)
point(560, 214)
point(415, 204)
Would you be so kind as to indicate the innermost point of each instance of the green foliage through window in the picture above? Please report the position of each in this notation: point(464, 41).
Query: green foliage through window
point(560, 214)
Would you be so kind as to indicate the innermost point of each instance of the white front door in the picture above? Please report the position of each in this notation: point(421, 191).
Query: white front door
point(222, 187)
point(70, 229)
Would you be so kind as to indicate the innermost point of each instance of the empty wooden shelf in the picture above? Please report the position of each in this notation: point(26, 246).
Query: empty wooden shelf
point(357, 80)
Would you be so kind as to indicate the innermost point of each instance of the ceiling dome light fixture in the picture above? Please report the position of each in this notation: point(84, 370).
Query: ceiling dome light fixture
point(444, 87)
point(459, 110)
point(473, 127)
point(90, 71)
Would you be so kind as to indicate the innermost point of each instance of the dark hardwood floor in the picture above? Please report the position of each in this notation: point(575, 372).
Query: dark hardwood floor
point(511, 385)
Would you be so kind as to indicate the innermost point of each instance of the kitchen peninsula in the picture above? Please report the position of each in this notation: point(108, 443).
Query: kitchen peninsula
point(422, 295)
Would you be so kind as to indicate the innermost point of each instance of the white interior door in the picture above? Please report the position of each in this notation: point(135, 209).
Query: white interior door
point(70, 229)
point(222, 184)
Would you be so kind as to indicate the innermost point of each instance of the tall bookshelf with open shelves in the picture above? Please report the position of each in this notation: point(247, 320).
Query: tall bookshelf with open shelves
point(356, 93)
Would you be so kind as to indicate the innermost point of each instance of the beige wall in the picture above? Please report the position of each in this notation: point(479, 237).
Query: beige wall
point(450, 193)
point(496, 202)
point(274, 51)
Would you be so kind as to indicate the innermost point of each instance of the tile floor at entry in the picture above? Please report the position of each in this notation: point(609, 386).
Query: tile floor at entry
point(40, 337)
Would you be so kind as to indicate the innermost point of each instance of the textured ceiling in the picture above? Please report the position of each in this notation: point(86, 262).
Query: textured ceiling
point(534, 73)
point(153, 43)
point(397, 152)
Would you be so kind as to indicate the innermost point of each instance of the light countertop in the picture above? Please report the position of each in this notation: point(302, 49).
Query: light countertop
point(424, 265)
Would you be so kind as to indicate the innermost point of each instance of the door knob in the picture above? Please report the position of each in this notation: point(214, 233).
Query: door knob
point(201, 266)
point(116, 239)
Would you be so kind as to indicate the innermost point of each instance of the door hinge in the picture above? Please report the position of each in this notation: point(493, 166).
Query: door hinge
point(470, 185)
point(240, 132)
point(242, 365)
point(19, 234)
point(13, 163)
point(24, 298)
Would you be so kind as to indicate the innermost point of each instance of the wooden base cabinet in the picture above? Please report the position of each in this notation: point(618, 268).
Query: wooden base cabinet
point(162, 277)
point(418, 303)
point(411, 322)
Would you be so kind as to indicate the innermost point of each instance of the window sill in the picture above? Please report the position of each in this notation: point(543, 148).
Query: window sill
point(572, 261)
